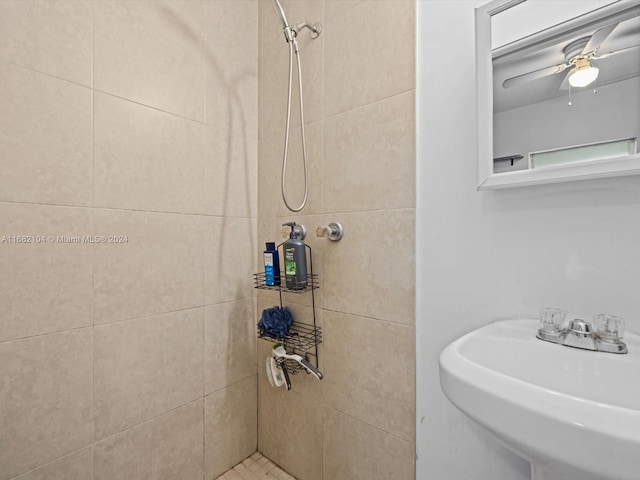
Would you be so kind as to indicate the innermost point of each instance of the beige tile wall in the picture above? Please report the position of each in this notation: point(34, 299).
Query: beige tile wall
point(358, 423)
point(140, 118)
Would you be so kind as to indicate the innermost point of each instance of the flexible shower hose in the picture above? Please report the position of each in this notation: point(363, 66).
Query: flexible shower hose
point(293, 46)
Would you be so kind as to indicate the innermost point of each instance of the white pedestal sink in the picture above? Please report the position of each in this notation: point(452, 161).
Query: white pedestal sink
point(574, 414)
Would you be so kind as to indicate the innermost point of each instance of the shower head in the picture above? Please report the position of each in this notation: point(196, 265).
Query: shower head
point(290, 32)
point(281, 14)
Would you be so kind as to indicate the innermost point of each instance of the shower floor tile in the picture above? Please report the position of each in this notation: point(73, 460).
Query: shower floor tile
point(256, 467)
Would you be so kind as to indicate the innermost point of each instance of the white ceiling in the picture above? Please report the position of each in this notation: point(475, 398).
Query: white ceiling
point(533, 16)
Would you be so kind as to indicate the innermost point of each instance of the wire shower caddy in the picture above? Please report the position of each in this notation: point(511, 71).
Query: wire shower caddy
point(303, 339)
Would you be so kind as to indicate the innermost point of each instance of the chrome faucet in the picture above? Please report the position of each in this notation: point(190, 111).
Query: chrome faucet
point(580, 333)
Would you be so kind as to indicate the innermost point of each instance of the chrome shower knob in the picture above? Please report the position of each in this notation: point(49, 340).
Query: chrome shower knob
point(333, 231)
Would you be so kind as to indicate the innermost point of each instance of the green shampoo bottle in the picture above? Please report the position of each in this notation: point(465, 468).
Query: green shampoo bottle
point(295, 260)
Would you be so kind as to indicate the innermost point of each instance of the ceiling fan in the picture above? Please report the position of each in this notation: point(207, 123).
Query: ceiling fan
point(578, 56)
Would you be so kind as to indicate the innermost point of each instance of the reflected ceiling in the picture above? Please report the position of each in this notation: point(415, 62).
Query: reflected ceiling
point(533, 57)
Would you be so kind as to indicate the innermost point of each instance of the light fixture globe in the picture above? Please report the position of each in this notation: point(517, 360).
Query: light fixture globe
point(584, 74)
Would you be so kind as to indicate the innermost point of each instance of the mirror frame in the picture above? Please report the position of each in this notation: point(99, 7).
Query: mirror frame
point(621, 166)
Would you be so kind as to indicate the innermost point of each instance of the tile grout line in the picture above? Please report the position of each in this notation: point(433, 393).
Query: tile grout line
point(93, 247)
point(393, 435)
point(93, 325)
point(123, 209)
point(51, 462)
point(149, 420)
point(204, 240)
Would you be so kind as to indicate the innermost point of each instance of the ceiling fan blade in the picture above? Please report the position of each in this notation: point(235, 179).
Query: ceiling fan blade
point(527, 77)
point(565, 82)
point(598, 37)
point(615, 52)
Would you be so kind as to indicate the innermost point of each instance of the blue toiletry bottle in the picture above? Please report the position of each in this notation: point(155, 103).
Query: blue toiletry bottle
point(271, 265)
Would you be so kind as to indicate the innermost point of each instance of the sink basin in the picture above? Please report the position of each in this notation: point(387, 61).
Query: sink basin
point(574, 414)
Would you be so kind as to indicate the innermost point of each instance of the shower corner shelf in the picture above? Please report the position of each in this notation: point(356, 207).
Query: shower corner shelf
point(260, 282)
point(303, 339)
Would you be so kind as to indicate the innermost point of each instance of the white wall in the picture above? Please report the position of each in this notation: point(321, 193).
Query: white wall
point(580, 246)
point(611, 114)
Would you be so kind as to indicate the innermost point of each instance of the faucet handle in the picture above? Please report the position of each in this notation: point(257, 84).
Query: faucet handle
point(552, 319)
point(609, 328)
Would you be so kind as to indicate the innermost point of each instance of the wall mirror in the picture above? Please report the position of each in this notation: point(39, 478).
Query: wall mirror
point(558, 89)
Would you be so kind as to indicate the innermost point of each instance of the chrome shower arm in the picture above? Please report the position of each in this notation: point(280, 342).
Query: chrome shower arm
point(315, 28)
point(290, 33)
